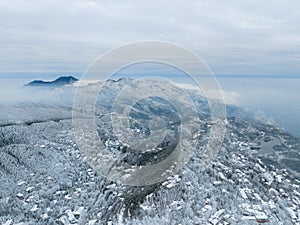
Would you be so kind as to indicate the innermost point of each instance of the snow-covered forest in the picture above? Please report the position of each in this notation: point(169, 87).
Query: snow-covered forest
point(45, 179)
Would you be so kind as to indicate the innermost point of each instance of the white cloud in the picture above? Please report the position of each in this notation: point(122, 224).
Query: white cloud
point(234, 37)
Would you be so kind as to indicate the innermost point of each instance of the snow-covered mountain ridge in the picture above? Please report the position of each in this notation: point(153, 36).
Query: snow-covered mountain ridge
point(45, 179)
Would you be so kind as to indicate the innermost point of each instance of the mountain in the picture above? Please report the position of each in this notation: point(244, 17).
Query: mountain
point(45, 178)
point(61, 81)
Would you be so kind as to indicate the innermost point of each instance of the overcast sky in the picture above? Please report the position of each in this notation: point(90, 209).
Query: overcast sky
point(233, 37)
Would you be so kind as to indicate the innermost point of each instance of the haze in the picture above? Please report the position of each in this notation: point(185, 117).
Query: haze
point(237, 39)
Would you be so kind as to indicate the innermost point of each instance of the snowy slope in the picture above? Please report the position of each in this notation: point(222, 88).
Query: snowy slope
point(45, 179)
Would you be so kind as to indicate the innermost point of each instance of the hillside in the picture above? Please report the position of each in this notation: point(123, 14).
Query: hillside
point(45, 178)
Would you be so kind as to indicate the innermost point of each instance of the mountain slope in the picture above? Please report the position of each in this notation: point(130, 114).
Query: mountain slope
point(61, 81)
point(45, 179)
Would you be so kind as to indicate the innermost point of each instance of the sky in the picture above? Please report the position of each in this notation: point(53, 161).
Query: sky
point(253, 46)
point(249, 37)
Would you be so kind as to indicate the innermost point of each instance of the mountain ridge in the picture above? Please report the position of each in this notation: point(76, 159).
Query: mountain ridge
point(61, 81)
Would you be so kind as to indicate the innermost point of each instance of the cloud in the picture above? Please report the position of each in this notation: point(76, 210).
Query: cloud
point(228, 97)
point(234, 37)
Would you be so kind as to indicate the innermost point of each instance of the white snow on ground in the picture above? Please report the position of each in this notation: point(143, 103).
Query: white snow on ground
point(44, 179)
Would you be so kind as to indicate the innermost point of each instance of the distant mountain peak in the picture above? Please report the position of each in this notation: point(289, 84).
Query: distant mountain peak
point(122, 79)
point(61, 81)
